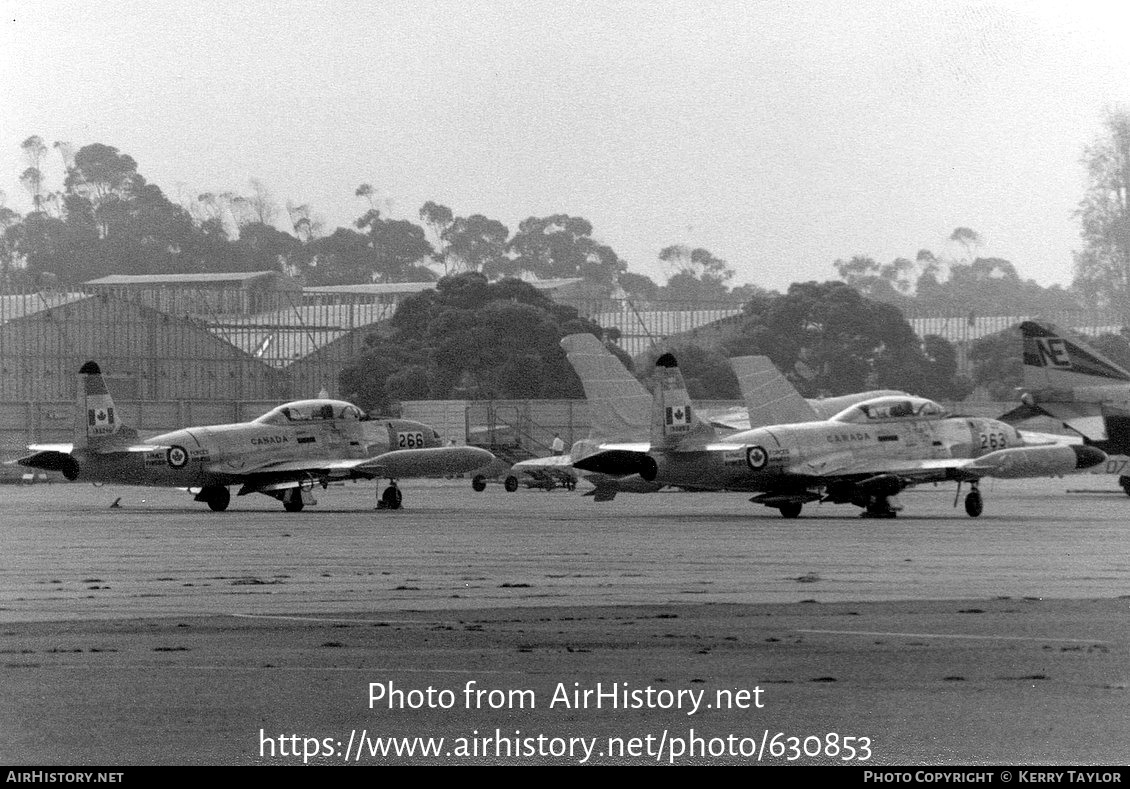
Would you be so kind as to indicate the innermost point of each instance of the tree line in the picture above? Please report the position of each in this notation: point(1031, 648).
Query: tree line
point(109, 219)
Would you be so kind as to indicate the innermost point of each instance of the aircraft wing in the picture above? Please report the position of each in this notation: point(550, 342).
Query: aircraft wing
point(394, 465)
point(559, 466)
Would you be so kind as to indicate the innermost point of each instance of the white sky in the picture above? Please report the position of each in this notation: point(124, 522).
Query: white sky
point(779, 135)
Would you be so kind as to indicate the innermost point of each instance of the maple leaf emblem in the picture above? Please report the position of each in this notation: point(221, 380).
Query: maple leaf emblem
point(101, 416)
point(679, 414)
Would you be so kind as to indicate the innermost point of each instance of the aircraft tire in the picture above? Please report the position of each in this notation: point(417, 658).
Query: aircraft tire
point(791, 510)
point(218, 498)
point(974, 504)
point(1125, 483)
point(478, 484)
point(511, 484)
point(391, 498)
point(294, 505)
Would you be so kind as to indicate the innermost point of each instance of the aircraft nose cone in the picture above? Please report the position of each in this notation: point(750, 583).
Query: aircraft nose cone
point(1087, 456)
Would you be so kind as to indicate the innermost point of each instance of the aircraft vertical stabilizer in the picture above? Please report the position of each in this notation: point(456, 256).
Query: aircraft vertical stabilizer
point(769, 397)
point(1054, 359)
point(618, 403)
point(97, 421)
point(673, 423)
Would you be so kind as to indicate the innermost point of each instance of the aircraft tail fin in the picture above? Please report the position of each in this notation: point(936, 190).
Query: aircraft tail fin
point(674, 425)
point(1056, 359)
point(769, 397)
point(618, 403)
point(97, 421)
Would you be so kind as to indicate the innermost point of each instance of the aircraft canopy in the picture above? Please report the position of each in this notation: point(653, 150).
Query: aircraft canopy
point(311, 411)
point(887, 409)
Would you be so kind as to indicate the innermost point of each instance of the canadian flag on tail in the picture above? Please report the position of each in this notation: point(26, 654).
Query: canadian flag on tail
point(99, 415)
point(678, 415)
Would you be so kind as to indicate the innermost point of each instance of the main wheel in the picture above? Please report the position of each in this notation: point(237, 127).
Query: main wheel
point(479, 484)
point(391, 498)
point(294, 504)
point(1125, 483)
point(511, 484)
point(791, 510)
point(974, 504)
point(218, 498)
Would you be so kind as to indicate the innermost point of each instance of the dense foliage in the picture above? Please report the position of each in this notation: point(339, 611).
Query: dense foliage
point(469, 338)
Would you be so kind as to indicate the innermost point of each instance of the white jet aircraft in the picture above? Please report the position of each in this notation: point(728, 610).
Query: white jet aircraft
point(864, 455)
point(620, 408)
point(283, 454)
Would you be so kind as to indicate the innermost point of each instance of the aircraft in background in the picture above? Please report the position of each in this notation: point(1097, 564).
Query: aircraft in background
point(1071, 382)
point(620, 408)
point(770, 399)
point(864, 455)
point(283, 454)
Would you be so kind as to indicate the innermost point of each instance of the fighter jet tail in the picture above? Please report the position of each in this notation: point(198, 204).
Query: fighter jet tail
point(618, 403)
point(674, 426)
point(97, 422)
point(768, 395)
point(1055, 359)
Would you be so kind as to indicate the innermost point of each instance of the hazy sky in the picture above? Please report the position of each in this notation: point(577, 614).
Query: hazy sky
point(779, 135)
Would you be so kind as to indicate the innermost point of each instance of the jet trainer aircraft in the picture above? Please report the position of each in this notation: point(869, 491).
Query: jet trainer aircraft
point(283, 454)
point(864, 455)
point(620, 407)
point(1068, 380)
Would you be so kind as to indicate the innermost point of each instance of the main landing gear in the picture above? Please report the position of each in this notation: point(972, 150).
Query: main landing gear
point(390, 499)
point(217, 497)
point(879, 507)
point(791, 510)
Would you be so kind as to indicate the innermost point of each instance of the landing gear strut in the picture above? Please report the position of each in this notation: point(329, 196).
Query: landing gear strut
point(292, 501)
point(878, 507)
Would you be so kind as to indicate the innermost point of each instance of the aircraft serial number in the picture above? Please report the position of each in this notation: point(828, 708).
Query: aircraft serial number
point(410, 440)
point(993, 441)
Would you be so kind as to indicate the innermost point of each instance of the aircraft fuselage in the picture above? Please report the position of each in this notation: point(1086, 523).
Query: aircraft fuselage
point(226, 454)
point(758, 459)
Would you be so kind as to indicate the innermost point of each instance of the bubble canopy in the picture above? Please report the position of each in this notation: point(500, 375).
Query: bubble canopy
point(319, 410)
point(888, 409)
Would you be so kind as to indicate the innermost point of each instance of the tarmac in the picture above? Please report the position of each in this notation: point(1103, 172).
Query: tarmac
point(545, 628)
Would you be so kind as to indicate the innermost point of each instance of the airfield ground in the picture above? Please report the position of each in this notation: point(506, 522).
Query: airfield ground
point(159, 632)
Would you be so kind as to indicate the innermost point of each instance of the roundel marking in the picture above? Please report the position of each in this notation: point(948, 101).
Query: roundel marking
point(178, 457)
point(756, 457)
